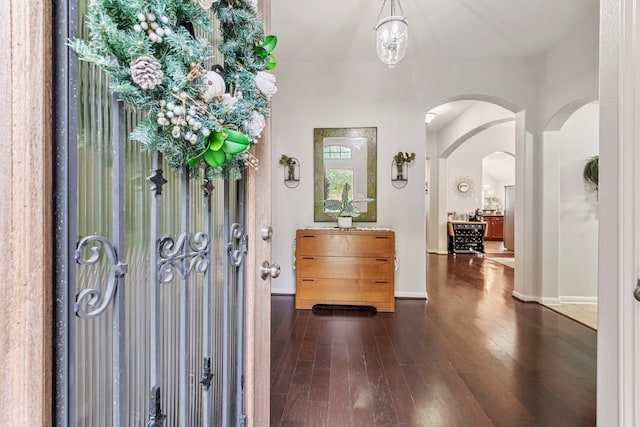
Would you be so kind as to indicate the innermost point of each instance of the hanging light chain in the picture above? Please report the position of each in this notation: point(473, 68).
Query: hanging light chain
point(392, 11)
point(399, 6)
point(380, 14)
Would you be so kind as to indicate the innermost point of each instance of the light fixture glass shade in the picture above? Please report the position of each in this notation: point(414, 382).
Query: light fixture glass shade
point(392, 35)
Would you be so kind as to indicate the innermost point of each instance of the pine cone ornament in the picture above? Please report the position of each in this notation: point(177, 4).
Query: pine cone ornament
point(146, 71)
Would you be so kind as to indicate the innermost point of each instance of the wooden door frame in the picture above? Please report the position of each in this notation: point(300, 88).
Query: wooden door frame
point(26, 213)
point(258, 291)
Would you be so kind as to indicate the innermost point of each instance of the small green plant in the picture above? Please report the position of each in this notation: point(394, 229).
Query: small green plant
point(590, 172)
point(401, 158)
point(290, 163)
point(346, 206)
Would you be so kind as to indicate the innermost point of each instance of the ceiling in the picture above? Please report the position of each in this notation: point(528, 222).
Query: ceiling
point(444, 113)
point(343, 30)
point(339, 30)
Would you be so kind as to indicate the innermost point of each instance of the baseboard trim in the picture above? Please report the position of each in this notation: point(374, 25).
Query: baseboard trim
point(555, 301)
point(549, 301)
point(526, 298)
point(282, 292)
point(399, 295)
point(411, 295)
point(437, 252)
point(577, 300)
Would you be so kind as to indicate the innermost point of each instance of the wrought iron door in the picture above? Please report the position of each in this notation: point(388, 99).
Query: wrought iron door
point(149, 284)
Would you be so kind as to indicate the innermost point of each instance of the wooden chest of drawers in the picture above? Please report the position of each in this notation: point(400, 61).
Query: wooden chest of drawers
point(349, 267)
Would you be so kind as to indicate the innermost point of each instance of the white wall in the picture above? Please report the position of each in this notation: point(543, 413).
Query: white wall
point(568, 79)
point(368, 94)
point(568, 74)
point(466, 160)
point(577, 224)
point(339, 94)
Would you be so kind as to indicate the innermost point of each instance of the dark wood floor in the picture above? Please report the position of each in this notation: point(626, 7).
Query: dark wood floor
point(472, 356)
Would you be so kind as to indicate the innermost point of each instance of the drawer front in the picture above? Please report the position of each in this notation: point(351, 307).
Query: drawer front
point(347, 244)
point(344, 268)
point(340, 291)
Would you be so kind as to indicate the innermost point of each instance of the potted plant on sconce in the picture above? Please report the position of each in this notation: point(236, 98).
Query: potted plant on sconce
point(290, 163)
point(345, 209)
point(590, 172)
point(400, 159)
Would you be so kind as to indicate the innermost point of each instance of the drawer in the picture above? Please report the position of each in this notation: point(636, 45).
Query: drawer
point(345, 244)
point(377, 293)
point(315, 267)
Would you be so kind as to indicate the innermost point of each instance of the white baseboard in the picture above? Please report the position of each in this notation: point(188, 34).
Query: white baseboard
point(526, 298)
point(555, 301)
point(438, 252)
point(418, 295)
point(283, 291)
point(549, 301)
point(578, 300)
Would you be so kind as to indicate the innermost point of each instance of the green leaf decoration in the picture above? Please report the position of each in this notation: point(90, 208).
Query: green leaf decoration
point(233, 136)
point(214, 158)
point(270, 43)
point(265, 49)
point(216, 141)
point(221, 147)
point(234, 147)
point(271, 64)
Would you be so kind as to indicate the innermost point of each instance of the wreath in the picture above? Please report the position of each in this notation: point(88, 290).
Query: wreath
point(155, 63)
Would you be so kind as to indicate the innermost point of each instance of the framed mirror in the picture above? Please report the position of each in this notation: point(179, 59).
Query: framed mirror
point(464, 187)
point(345, 156)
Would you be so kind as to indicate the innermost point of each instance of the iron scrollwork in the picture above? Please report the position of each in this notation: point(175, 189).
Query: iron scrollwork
point(237, 253)
point(92, 298)
point(182, 257)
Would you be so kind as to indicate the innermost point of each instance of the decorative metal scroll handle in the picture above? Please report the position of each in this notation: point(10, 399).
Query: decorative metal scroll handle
point(636, 291)
point(91, 302)
point(267, 270)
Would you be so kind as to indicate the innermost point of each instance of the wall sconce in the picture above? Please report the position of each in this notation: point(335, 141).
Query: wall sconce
point(400, 168)
point(291, 170)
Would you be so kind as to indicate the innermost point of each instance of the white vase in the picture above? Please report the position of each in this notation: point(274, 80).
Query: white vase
point(344, 221)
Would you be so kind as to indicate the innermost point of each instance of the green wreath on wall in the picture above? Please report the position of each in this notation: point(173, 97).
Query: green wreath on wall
point(155, 64)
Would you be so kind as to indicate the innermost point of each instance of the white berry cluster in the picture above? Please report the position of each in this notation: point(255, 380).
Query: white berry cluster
point(249, 159)
point(181, 117)
point(149, 23)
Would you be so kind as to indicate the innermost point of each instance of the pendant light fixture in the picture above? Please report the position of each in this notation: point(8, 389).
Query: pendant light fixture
point(392, 35)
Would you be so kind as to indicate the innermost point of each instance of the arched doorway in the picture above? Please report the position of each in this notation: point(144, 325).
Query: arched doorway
point(457, 121)
point(570, 237)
